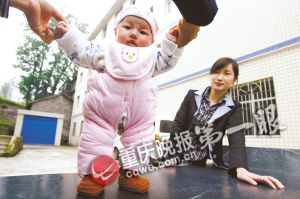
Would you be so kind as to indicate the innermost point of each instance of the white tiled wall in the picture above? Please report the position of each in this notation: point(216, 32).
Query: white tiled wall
point(239, 28)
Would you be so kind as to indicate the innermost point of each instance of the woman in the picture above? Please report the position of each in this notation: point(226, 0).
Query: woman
point(206, 115)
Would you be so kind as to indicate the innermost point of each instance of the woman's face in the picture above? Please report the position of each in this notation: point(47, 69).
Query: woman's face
point(222, 79)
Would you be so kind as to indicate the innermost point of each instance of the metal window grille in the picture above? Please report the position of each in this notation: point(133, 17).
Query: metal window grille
point(78, 101)
point(259, 106)
point(74, 129)
point(81, 127)
point(104, 32)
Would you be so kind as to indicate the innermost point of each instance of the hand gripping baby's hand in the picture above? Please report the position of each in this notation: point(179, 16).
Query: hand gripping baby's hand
point(172, 35)
point(187, 32)
point(61, 29)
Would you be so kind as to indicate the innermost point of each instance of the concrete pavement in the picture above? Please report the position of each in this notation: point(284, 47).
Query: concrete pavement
point(40, 159)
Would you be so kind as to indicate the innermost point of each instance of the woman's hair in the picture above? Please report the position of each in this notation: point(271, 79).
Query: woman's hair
point(223, 62)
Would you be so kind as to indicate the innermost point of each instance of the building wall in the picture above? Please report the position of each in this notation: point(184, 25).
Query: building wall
point(79, 94)
point(239, 28)
point(283, 66)
point(60, 105)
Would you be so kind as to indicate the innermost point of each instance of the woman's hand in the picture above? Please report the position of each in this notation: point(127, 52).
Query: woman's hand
point(252, 178)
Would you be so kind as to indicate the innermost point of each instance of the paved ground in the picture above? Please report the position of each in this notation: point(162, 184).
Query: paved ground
point(38, 159)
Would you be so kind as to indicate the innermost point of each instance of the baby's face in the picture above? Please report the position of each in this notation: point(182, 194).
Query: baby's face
point(134, 31)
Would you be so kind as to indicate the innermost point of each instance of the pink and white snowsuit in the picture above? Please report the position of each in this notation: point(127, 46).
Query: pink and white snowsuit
point(124, 86)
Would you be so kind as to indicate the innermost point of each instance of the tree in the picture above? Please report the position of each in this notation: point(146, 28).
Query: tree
point(6, 89)
point(47, 67)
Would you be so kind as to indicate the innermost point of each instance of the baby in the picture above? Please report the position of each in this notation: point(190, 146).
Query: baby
point(122, 90)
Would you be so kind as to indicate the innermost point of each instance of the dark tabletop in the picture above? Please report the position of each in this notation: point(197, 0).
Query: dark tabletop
point(173, 182)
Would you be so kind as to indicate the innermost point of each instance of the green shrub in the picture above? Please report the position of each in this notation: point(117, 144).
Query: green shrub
point(3, 106)
point(6, 123)
point(7, 101)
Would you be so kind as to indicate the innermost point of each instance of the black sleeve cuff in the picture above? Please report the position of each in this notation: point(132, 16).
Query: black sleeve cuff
point(4, 8)
point(232, 172)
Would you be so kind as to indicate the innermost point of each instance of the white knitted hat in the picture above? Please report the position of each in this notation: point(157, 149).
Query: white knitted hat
point(134, 11)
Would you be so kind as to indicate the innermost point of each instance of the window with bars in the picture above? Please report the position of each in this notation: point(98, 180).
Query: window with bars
point(81, 127)
point(104, 31)
point(78, 101)
point(81, 77)
point(74, 129)
point(259, 106)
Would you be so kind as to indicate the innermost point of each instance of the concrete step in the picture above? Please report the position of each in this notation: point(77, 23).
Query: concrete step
point(5, 139)
point(2, 151)
point(4, 144)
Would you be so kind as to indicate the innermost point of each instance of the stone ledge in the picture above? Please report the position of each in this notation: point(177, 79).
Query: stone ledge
point(14, 146)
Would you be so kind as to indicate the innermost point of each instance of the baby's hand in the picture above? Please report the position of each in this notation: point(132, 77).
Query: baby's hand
point(61, 29)
point(173, 34)
point(187, 32)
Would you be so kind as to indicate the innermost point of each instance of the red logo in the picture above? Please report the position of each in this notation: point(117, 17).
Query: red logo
point(104, 170)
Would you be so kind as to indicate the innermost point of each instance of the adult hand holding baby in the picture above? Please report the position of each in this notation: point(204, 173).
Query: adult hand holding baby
point(186, 33)
point(61, 28)
point(38, 14)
